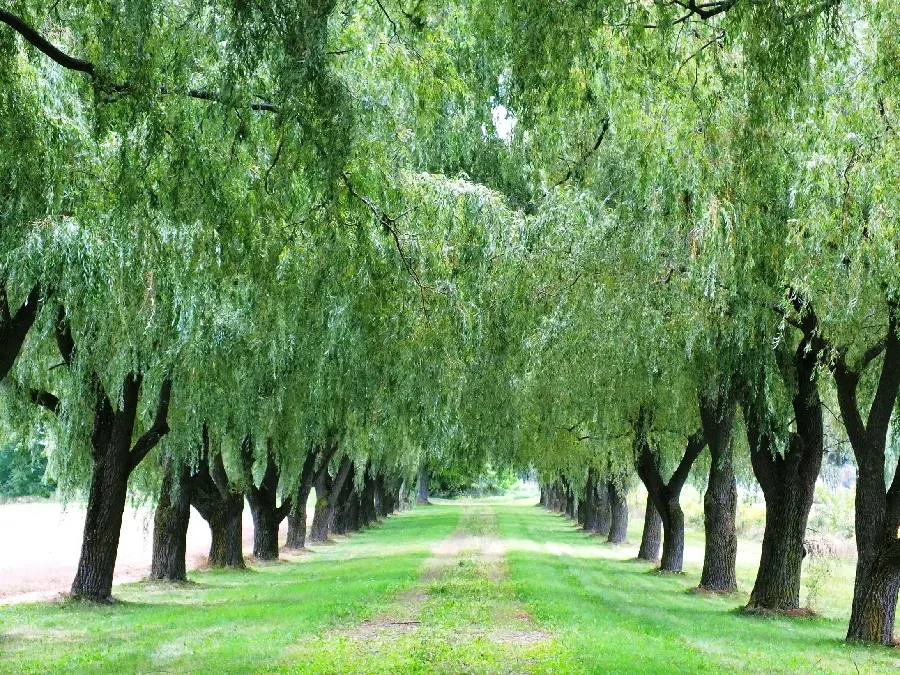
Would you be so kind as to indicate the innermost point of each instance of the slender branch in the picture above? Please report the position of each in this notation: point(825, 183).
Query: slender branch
point(604, 127)
point(388, 223)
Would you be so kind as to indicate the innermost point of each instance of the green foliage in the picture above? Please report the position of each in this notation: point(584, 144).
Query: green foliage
point(23, 464)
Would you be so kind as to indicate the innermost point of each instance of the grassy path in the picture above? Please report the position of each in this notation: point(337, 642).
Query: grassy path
point(461, 588)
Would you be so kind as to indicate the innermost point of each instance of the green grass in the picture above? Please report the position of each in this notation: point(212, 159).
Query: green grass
point(434, 591)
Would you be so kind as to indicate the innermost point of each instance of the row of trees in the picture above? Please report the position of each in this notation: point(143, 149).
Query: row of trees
point(595, 239)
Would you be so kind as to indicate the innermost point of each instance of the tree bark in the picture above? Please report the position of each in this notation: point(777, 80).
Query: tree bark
point(14, 327)
point(327, 491)
point(422, 495)
point(378, 497)
point(720, 500)
point(618, 505)
point(875, 590)
point(170, 523)
point(788, 480)
point(114, 458)
point(652, 535)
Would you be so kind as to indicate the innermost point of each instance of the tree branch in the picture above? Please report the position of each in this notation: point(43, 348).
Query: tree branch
point(160, 427)
point(40, 42)
point(72, 63)
point(604, 127)
point(45, 399)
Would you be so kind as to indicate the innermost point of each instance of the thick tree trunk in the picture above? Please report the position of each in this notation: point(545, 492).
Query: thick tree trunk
point(114, 458)
point(875, 591)
point(618, 505)
point(220, 507)
point(14, 327)
point(327, 491)
point(788, 479)
point(102, 526)
point(720, 500)
point(367, 511)
point(652, 535)
point(263, 498)
point(673, 537)
point(422, 495)
point(170, 523)
point(876, 609)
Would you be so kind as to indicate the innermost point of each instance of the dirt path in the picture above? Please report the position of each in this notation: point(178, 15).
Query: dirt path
point(40, 544)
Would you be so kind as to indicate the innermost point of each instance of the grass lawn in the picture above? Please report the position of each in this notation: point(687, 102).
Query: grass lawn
point(465, 587)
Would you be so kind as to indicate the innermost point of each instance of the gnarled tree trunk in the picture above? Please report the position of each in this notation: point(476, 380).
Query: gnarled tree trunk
point(170, 523)
point(309, 474)
point(114, 459)
point(263, 500)
point(788, 480)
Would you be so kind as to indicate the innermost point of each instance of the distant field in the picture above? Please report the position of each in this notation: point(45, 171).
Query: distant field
point(474, 586)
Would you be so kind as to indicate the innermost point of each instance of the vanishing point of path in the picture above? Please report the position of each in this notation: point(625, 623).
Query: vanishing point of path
point(464, 587)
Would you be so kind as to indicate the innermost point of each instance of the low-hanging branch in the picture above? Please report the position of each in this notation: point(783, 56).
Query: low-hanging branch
point(69, 62)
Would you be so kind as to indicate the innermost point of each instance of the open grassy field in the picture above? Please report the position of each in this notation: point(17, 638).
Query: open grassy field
point(463, 587)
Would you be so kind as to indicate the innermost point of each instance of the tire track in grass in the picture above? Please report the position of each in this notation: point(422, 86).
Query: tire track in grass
point(462, 616)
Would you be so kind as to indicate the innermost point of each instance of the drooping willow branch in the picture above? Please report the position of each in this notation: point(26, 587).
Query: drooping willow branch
point(69, 62)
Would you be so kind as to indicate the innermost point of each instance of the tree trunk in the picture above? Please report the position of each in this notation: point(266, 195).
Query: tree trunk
point(877, 506)
point(720, 500)
point(591, 510)
point(618, 504)
point(569, 502)
point(666, 496)
point(604, 509)
point(378, 497)
point(327, 491)
point(170, 523)
point(267, 516)
point(367, 510)
point(788, 480)
point(650, 539)
point(14, 328)
point(296, 536)
point(220, 507)
point(422, 496)
point(114, 458)
point(673, 537)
